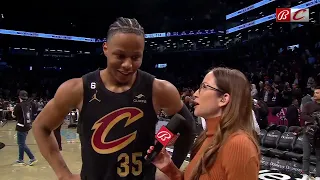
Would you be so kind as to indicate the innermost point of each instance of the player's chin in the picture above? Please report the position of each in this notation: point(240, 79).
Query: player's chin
point(196, 112)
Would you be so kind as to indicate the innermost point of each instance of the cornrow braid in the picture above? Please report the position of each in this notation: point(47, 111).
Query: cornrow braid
point(125, 25)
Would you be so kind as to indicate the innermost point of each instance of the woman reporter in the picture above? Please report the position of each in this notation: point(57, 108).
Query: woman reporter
point(227, 149)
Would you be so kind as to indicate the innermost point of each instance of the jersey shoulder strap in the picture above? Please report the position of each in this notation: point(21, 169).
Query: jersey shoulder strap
point(89, 82)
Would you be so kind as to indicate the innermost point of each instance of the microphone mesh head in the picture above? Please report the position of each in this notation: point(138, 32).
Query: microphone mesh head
point(174, 123)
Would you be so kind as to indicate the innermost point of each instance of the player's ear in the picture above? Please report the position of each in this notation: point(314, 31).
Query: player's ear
point(105, 48)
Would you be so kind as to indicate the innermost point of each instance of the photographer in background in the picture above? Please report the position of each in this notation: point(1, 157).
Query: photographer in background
point(261, 111)
point(311, 115)
point(23, 114)
point(292, 114)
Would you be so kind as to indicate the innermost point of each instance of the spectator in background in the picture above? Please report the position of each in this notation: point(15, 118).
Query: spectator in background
point(286, 95)
point(292, 114)
point(186, 98)
point(261, 90)
point(40, 105)
point(23, 113)
point(277, 78)
point(296, 92)
point(297, 79)
point(254, 91)
point(311, 83)
point(277, 97)
point(307, 98)
point(311, 115)
point(255, 123)
point(268, 94)
point(1, 111)
point(261, 112)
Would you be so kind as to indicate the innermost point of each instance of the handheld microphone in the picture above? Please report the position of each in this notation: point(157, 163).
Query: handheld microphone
point(164, 136)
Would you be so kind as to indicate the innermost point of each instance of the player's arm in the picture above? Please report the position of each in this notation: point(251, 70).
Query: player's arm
point(168, 98)
point(68, 96)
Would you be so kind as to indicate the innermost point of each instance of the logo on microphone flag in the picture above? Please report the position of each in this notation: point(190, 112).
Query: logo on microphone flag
point(164, 136)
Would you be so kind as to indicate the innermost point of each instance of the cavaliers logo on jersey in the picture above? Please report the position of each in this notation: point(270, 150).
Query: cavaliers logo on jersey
point(103, 126)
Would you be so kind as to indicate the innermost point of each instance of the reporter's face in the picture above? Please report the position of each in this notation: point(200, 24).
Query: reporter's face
point(316, 94)
point(207, 98)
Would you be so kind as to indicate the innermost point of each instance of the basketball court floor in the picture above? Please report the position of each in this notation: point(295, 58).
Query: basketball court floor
point(71, 153)
point(41, 170)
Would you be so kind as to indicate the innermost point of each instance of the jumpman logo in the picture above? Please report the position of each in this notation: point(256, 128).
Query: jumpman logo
point(94, 97)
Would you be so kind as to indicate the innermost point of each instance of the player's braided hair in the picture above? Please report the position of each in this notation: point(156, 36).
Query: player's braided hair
point(125, 25)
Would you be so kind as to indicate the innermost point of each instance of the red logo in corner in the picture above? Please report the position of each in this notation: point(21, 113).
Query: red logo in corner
point(283, 14)
point(292, 15)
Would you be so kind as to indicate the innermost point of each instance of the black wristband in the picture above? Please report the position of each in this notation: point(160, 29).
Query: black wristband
point(186, 138)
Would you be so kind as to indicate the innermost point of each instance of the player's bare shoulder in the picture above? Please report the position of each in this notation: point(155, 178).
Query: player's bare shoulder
point(70, 92)
point(160, 85)
point(67, 97)
point(166, 96)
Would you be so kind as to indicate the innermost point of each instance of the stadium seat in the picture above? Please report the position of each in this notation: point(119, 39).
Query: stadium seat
point(271, 127)
point(282, 128)
point(313, 159)
point(296, 154)
point(285, 145)
point(262, 135)
point(312, 170)
point(278, 164)
point(293, 168)
point(265, 162)
point(294, 129)
point(270, 141)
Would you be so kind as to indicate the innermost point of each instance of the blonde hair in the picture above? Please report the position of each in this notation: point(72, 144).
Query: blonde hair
point(236, 115)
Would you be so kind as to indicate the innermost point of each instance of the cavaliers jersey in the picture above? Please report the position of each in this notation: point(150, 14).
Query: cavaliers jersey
point(116, 129)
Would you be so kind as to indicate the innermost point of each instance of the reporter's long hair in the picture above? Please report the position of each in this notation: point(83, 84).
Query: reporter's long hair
point(236, 115)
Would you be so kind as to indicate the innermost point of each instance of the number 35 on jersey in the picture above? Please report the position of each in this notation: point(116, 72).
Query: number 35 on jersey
point(130, 163)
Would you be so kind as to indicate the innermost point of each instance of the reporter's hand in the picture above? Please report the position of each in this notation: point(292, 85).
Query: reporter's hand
point(162, 159)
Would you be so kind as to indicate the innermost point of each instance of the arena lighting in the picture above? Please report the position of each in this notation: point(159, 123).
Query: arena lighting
point(95, 40)
point(269, 17)
point(47, 36)
point(249, 8)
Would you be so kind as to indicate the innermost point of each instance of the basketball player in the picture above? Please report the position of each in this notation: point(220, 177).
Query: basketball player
point(118, 108)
